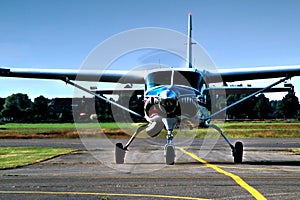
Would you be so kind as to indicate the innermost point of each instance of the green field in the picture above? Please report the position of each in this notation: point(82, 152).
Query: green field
point(12, 157)
point(268, 129)
point(262, 129)
point(61, 130)
point(295, 150)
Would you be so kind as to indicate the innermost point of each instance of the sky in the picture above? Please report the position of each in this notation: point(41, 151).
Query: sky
point(60, 34)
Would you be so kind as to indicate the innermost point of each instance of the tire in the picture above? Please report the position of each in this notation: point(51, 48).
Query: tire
point(119, 153)
point(238, 152)
point(170, 155)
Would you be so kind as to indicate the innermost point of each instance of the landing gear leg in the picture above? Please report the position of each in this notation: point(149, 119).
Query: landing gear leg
point(237, 149)
point(169, 147)
point(120, 150)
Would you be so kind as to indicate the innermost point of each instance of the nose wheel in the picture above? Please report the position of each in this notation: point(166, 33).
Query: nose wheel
point(169, 147)
point(170, 154)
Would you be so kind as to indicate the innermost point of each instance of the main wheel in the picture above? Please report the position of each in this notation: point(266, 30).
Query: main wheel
point(238, 152)
point(119, 153)
point(170, 155)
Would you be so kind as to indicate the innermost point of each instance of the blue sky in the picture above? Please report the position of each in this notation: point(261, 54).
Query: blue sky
point(61, 33)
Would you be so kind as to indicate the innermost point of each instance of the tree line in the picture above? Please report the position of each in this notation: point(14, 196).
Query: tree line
point(19, 108)
point(260, 107)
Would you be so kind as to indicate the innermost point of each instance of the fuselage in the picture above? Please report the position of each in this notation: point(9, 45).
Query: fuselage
point(174, 93)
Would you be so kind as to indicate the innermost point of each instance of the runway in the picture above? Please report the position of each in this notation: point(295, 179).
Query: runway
point(269, 171)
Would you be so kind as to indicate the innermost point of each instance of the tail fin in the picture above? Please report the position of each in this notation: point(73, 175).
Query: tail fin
point(189, 43)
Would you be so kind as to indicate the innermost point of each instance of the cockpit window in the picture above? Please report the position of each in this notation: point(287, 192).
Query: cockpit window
point(159, 78)
point(186, 78)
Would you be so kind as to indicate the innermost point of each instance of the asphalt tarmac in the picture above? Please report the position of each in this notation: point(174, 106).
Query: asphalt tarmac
point(269, 171)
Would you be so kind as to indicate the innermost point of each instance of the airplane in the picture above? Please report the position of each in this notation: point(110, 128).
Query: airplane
point(172, 96)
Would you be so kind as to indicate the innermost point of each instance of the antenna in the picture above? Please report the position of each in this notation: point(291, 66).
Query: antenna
point(189, 43)
point(172, 77)
point(159, 63)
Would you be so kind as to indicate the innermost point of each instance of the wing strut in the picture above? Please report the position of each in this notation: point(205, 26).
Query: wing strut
point(66, 80)
point(248, 97)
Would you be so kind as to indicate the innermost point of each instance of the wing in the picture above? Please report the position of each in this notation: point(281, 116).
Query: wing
point(242, 74)
point(79, 75)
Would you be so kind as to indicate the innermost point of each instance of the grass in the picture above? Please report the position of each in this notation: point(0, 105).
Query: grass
point(259, 129)
point(13, 157)
point(60, 130)
point(36, 127)
point(263, 129)
point(295, 150)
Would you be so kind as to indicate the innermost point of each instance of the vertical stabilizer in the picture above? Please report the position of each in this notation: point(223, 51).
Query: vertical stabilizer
point(189, 43)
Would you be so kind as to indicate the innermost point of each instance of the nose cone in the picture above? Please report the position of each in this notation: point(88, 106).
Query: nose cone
point(168, 101)
point(168, 94)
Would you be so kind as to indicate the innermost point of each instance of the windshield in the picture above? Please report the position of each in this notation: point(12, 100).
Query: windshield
point(186, 78)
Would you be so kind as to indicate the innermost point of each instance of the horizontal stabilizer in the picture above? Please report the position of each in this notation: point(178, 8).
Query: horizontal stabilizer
point(119, 91)
point(245, 90)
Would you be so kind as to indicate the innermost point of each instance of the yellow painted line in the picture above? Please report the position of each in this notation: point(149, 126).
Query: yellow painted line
point(255, 193)
point(100, 194)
